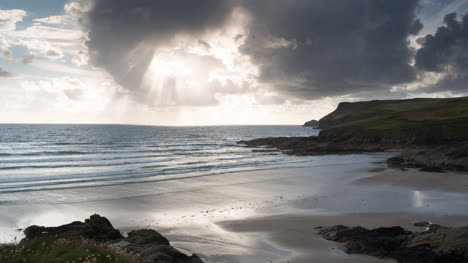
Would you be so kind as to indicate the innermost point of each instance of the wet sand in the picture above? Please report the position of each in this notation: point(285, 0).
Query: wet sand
point(254, 216)
point(415, 179)
point(299, 233)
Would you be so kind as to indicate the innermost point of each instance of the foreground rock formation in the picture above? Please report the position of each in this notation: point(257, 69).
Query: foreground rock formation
point(436, 245)
point(145, 245)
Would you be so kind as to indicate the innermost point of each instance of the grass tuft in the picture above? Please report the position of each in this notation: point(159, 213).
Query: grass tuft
point(50, 250)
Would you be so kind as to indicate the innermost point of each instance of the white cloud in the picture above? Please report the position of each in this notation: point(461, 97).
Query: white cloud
point(40, 48)
point(50, 37)
point(9, 18)
point(81, 58)
point(73, 14)
point(65, 94)
point(425, 80)
point(57, 67)
point(4, 48)
point(52, 20)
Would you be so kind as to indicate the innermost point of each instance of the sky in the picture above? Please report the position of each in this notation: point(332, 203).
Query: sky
point(223, 62)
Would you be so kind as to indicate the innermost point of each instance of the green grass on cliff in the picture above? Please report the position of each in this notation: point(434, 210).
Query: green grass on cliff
point(49, 250)
point(445, 121)
point(349, 112)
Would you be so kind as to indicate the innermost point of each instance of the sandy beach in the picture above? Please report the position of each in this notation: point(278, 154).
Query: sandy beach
point(299, 232)
point(269, 215)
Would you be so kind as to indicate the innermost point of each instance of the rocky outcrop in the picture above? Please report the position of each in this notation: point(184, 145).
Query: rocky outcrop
point(147, 244)
point(96, 228)
point(305, 146)
point(312, 123)
point(437, 245)
point(453, 157)
point(153, 247)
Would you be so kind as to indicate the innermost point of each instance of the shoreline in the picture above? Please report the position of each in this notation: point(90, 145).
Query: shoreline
point(193, 213)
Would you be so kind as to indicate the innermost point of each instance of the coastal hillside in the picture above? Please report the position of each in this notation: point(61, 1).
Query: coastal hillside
point(433, 131)
point(348, 112)
point(439, 122)
point(312, 123)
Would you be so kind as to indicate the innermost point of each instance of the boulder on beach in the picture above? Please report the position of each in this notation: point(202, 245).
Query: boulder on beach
point(436, 245)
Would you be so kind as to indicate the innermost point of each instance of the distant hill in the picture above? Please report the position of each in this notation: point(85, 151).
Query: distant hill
point(419, 122)
point(348, 112)
point(312, 123)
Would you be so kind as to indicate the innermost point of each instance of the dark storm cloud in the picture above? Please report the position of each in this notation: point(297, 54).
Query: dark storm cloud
point(448, 47)
point(446, 51)
point(304, 48)
point(124, 34)
point(336, 47)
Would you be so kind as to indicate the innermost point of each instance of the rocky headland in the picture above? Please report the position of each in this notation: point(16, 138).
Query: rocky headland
point(435, 245)
point(313, 123)
point(94, 240)
point(430, 133)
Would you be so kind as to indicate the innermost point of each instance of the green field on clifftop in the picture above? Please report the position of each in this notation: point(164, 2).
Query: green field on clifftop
point(348, 112)
point(441, 122)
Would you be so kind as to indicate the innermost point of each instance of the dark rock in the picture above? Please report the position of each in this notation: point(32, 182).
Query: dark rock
point(147, 244)
point(438, 159)
point(153, 253)
point(438, 245)
point(432, 169)
point(312, 123)
point(153, 247)
point(146, 236)
point(430, 159)
point(306, 146)
point(422, 224)
point(95, 228)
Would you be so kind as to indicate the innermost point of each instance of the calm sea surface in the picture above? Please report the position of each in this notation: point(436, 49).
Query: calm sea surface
point(35, 158)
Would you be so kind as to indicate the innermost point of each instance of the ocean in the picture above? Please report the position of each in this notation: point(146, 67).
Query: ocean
point(36, 159)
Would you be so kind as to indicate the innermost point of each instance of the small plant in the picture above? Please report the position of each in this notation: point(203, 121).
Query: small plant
point(50, 250)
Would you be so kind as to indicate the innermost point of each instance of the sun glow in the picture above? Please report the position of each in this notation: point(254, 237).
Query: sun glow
point(170, 65)
point(176, 78)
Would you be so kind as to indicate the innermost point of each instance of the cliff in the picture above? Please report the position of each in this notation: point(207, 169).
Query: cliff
point(348, 112)
point(443, 122)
